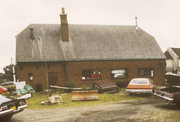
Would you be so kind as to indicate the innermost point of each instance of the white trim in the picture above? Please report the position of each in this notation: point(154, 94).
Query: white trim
point(166, 98)
point(5, 112)
point(139, 90)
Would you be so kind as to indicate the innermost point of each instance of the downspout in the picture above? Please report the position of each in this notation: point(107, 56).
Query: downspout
point(46, 72)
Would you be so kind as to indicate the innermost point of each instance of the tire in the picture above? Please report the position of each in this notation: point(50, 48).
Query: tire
point(177, 98)
point(5, 118)
point(131, 94)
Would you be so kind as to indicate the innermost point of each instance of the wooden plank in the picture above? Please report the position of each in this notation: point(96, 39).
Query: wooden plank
point(65, 88)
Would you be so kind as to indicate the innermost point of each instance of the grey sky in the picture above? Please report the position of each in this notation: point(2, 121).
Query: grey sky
point(160, 18)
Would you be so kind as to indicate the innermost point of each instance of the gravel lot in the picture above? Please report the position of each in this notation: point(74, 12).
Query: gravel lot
point(148, 110)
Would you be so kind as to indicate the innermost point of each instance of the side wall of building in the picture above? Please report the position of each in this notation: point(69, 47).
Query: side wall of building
point(40, 71)
point(71, 72)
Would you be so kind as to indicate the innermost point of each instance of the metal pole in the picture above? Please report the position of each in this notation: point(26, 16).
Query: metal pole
point(14, 76)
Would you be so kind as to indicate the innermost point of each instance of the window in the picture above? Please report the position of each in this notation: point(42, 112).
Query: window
point(142, 81)
point(91, 75)
point(30, 76)
point(146, 72)
point(120, 73)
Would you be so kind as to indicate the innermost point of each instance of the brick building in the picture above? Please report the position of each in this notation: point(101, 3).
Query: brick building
point(59, 54)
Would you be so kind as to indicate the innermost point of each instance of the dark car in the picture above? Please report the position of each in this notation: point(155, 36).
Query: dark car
point(9, 107)
point(171, 92)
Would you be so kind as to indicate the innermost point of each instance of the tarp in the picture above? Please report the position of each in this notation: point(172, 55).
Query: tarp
point(29, 88)
point(20, 85)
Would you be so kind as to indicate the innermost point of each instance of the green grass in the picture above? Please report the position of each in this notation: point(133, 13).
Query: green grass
point(35, 101)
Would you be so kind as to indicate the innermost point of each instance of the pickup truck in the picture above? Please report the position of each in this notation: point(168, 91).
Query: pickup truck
point(171, 92)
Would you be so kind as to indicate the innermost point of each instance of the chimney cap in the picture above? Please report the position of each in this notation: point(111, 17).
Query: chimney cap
point(63, 10)
point(136, 21)
point(136, 25)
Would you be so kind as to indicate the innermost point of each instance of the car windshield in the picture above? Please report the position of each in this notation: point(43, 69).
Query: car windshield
point(139, 82)
point(4, 99)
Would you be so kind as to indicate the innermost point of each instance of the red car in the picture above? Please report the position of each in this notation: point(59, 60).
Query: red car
point(3, 90)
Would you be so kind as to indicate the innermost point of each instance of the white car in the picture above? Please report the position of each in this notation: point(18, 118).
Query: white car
point(140, 86)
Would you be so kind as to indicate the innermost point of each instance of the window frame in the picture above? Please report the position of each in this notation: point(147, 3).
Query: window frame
point(146, 76)
point(90, 78)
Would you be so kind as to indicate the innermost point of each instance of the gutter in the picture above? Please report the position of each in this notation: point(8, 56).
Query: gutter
point(90, 60)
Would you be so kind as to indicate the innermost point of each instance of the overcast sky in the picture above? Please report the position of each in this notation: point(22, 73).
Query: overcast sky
point(160, 18)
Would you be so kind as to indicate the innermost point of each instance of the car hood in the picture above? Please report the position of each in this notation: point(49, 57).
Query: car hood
point(4, 99)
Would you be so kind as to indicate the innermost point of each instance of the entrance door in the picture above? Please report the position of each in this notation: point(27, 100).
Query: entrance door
point(52, 78)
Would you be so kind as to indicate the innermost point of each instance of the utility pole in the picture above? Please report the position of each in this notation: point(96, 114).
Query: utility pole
point(13, 68)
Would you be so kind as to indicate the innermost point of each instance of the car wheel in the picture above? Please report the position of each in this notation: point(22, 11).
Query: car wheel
point(177, 98)
point(7, 117)
point(131, 94)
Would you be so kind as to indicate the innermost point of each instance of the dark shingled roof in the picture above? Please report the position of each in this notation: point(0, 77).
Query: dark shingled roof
point(168, 56)
point(177, 51)
point(87, 42)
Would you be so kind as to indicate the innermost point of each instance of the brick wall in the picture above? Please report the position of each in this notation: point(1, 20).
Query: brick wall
point(72, 71)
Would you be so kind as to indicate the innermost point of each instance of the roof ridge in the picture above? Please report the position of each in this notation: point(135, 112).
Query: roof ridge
point(82, 24)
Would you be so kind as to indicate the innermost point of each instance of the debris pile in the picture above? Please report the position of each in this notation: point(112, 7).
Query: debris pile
point(85, 95)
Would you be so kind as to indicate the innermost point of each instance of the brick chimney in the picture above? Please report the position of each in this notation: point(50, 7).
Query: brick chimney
point(64, 26)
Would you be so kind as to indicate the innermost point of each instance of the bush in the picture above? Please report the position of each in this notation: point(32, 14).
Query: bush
point(122, 84)
point(70, 85)
point(39, 88)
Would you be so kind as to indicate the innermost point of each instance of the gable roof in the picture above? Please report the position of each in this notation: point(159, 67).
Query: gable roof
point(86, 42)
point(177, 51)
point(168, 56)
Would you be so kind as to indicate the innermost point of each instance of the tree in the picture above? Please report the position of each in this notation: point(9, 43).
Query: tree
point(8, 72)
point(2, 76)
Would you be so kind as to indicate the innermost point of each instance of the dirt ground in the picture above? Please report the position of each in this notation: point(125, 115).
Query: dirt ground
point(148, 110)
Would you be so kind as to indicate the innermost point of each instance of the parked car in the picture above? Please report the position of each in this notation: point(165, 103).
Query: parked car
point(3, 90)
point(9, 107)
point(10, 86)
point(171, 92)
point(140, 86)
